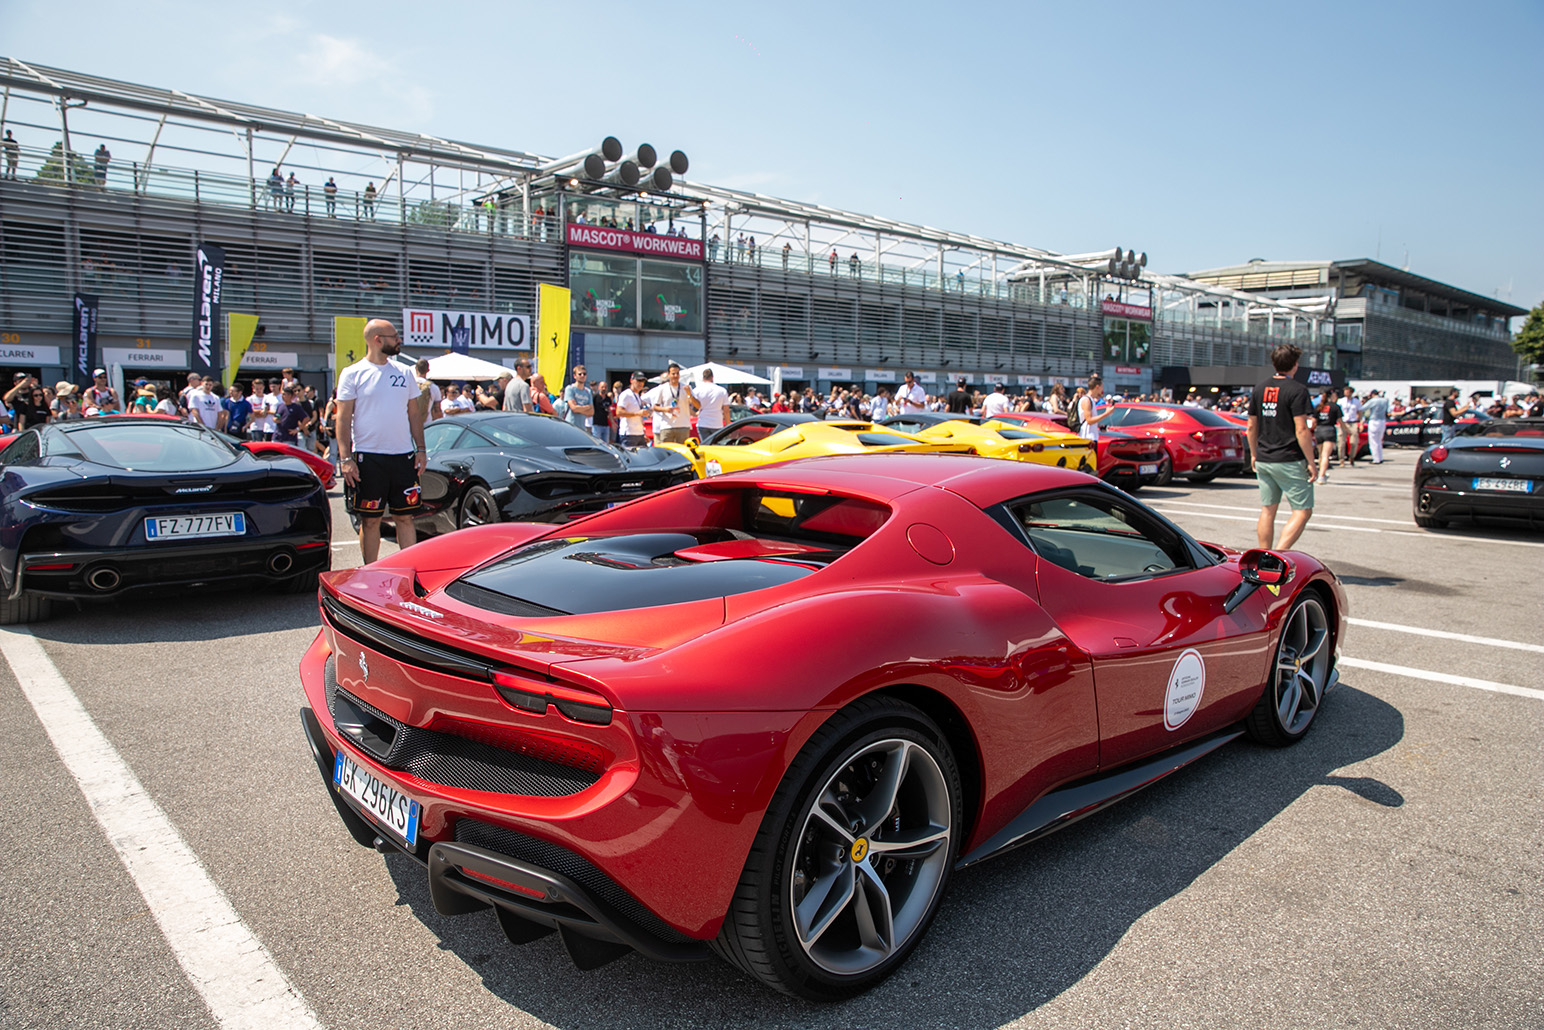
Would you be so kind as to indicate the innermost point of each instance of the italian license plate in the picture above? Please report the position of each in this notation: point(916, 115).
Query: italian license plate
point(1148, 470)
point(1516, 486)
point(397, 812)
point(185, 527)
point(1230, 452)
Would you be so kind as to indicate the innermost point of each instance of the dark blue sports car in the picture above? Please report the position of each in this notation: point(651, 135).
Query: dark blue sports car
point(102, 508)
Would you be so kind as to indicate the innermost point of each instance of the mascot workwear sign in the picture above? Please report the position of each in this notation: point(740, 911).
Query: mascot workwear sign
point(208, 273)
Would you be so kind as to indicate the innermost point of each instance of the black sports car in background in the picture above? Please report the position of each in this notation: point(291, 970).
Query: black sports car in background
point(507, 466)
point(1493, 470)
point(100, 508)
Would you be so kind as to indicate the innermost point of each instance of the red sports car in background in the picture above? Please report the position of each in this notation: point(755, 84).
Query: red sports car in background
point(1202, 444)
point(273, 449)
point(540, 715)
point(1129, 460)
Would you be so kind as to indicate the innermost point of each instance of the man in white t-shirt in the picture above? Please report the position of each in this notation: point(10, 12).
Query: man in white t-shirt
point(671, 403)
point(204, 406)
point(910, 396)
point(264, 406)
point(630, 407)
point(996, 403)
point(457, 402)
point(428, 393)
point(1088, 409)
point(712, 405)
point(381, 439)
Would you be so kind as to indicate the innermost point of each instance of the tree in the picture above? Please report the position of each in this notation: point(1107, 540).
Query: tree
point(53, 167)
point(1529, 341)
point(438, 213)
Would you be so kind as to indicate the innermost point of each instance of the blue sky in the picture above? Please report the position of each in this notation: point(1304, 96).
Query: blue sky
point(1204, 134)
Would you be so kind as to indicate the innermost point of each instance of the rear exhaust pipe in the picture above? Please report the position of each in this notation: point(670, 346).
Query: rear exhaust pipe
point(280, 562)
point(103, 579)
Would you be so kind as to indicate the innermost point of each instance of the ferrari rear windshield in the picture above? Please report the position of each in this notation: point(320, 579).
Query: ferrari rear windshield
point(146, 446)
point(759, 539)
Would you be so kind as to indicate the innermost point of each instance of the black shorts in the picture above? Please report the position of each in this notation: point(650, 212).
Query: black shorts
point(386, 481)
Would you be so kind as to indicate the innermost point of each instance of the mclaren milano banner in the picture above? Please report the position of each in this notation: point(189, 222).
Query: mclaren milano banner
point(209, 270)
point(85, 327)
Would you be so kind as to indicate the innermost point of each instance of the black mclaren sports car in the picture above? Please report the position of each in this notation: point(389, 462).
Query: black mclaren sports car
point(507, 466)
point(102, 508)
point(1489, 470)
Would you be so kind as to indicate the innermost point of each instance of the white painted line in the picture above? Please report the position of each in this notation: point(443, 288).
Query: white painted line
point(1442, 677)
point(1441, 634)
point(226, 963)
point(1166, 507)
point(345, 545)
point(1316, 514)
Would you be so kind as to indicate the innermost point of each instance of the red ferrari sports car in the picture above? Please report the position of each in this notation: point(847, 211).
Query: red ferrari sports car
point(1128, 459)
point(1202, 445)
point(974, 653)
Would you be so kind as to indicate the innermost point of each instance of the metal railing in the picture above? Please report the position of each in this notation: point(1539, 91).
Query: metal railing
point(48, 168)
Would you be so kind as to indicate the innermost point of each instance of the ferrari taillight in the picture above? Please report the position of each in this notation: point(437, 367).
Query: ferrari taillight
point(1438, 453)
point(1025, 448)
point(575, 703)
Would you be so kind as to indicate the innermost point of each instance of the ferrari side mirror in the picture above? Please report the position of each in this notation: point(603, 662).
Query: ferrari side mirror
point(1256, 569)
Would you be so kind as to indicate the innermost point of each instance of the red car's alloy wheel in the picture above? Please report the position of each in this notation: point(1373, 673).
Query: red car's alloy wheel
point(1299, 677)
point(843, 882)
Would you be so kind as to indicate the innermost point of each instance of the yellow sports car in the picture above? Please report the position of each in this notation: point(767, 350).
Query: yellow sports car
point(994, 439)
point(763, 439)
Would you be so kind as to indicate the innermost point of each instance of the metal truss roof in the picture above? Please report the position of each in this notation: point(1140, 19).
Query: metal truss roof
point(174, 103)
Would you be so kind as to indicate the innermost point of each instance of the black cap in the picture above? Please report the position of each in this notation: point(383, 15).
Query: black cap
point(640, 375)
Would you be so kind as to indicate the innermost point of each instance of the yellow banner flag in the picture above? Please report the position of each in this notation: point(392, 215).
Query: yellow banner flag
point(239, 330)
point(552, 335)
point(348, 343)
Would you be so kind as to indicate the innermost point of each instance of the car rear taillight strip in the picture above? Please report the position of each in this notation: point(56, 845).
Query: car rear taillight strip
point(578, 705)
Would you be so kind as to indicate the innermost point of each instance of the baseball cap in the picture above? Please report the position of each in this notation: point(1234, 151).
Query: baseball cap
point(99, 372)
point(140, 382)
point(640, 375)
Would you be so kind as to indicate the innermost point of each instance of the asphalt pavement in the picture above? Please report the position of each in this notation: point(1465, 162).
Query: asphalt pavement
point(1386, 872)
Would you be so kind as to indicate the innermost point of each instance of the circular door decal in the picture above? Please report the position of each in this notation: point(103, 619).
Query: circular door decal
point(1186, 684)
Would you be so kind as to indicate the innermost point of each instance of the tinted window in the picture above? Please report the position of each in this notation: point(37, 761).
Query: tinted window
point(1210, 418)
point(442, 436)
point(1137, 416)
point(881, 439)
point(534, 430)
point(152, 447)
point(22, 451)
point(1099, 537)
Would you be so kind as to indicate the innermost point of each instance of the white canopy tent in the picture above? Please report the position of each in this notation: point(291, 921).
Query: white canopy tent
point(451, 366)
point(723, 375)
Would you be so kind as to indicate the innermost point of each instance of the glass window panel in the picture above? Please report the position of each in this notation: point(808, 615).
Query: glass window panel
point(672, 296)
point(604, 290)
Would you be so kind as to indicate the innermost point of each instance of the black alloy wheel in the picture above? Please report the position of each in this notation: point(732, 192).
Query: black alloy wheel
point(478, 508)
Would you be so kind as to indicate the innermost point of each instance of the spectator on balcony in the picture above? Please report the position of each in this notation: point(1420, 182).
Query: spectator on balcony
point(712, 245)
point(12, 154)
point(103, 158)
point(833, 260)
point(369, 197)
point(330, 196)
point(854, 266)
point(289, 191)
point(787, 249)
point(275, 189)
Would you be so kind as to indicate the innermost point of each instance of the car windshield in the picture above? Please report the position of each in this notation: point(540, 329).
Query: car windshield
point(533, 431)
point(151, 447)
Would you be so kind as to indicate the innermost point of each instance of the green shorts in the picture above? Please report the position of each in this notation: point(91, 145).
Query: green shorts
point(1285, 477)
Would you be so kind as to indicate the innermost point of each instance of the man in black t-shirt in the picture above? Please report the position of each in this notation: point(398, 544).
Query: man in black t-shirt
point(959, 400)
point(1281, 448)
point(1450, 412)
